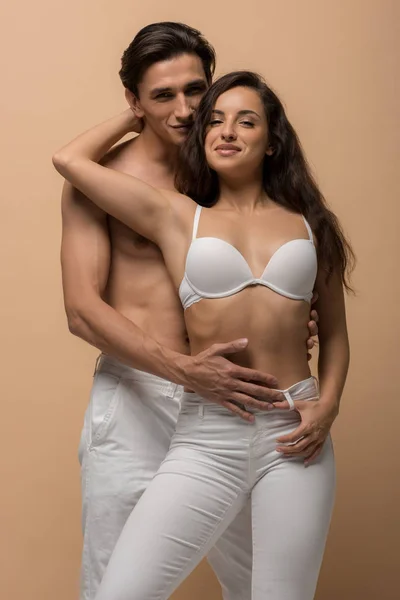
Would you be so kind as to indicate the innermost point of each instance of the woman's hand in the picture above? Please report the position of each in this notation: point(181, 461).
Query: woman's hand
point(134, 123)
point(140, 206)
point(308, 438)
point(137, 124)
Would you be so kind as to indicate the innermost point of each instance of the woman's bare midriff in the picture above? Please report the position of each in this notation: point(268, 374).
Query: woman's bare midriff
point(275, 326)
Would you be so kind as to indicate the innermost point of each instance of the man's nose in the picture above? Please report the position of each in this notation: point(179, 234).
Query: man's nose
point(183, 109)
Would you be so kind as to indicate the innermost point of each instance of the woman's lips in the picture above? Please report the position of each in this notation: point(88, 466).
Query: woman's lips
point(227, 149)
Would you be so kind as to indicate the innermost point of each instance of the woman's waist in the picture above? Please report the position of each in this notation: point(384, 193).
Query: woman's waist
point(305, 389)
point(272, 337)
point(285, 360)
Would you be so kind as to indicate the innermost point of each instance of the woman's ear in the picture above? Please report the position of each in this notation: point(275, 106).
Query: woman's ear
point(134, 103)
point(269, 151)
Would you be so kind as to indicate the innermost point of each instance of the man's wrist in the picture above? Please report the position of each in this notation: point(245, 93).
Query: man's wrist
point(175, 365)
point(182, 365)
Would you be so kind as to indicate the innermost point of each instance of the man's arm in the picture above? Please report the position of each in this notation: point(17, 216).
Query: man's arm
point(85, 259)
point(85, 263)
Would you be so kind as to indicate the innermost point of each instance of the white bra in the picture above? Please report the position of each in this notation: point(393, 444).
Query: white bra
point(216, 269)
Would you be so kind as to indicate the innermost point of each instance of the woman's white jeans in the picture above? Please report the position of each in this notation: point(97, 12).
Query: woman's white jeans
point(215, 462)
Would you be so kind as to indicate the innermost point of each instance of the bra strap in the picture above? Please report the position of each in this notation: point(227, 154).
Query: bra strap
point(310, 233)
point(196, 221)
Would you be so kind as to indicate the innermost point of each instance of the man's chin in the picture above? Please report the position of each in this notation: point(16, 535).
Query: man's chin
point(181, 132)
point(179, 137)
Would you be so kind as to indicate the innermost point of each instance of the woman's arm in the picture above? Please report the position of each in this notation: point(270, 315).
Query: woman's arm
point(137, 204)
point(317, 416)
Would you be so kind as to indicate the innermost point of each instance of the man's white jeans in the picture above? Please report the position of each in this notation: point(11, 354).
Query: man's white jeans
point(129, 424)
point(216, 461)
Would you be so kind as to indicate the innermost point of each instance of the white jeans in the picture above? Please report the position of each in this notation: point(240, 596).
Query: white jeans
point(129, 424)
point(215, 463)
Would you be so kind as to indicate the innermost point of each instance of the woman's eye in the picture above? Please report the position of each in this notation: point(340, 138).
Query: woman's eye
point(215, 122)
point(247, 123)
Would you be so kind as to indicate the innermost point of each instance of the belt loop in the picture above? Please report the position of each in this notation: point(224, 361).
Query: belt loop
point(171, 389)
point(201, 410)
point(289, 399)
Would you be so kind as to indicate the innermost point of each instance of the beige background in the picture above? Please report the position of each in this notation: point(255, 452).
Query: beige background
point(334, 63)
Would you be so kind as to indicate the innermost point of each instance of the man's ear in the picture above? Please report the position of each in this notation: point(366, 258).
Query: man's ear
point(134, 103)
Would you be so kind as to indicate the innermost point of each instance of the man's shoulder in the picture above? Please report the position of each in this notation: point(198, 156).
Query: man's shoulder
point(128, 157)
point(118, 154)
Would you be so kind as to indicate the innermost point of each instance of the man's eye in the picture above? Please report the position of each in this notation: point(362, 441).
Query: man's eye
point(164, 96)
point(195, 91)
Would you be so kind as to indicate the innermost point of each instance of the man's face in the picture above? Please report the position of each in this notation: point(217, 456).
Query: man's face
point(169, 94)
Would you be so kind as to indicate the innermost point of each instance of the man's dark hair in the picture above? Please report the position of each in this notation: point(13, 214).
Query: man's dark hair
point(163, 41)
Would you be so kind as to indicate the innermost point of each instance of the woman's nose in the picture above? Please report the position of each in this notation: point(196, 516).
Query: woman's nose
point(228, 134)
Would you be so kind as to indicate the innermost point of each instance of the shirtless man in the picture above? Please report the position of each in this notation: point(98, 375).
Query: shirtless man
point(119, 298)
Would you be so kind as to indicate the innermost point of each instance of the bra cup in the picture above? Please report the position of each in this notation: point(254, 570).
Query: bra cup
point(293, 268)
point(186, 294)
point(215, 267)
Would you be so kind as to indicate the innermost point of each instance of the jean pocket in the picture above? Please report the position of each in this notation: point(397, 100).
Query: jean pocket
point(102, 407)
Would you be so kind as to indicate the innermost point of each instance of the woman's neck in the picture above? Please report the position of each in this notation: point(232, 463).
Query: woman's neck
point(244, 195)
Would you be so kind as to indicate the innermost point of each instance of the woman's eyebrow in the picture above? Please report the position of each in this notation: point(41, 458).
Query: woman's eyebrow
point(248, 112)
point(240, 112)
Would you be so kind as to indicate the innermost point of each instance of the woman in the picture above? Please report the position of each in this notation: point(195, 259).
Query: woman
point(245, 266)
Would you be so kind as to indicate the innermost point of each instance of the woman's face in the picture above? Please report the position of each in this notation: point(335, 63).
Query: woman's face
point(237, 136)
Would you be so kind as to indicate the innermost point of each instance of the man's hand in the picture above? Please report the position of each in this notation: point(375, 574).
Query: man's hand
point(308, 438)
point(312, 327)
point(219, 380)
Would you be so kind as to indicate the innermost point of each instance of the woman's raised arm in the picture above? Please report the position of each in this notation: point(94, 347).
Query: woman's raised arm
point(137, 204)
